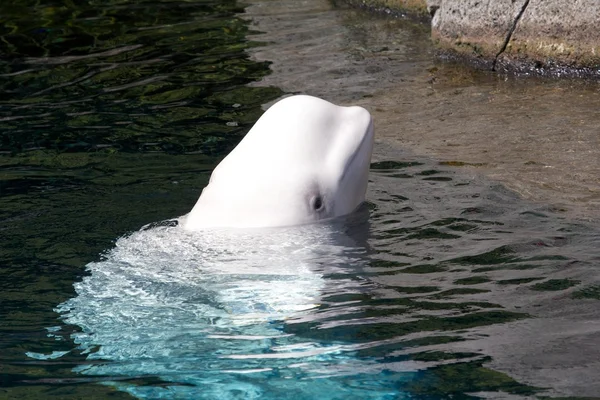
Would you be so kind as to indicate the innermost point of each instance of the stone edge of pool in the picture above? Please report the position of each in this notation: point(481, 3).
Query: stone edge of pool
point(553, 37)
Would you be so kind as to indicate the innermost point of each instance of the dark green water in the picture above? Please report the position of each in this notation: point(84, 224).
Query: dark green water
point(113, 114)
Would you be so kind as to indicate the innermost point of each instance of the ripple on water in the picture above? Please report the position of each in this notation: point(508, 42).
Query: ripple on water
point(145, 76)
point(368, 308)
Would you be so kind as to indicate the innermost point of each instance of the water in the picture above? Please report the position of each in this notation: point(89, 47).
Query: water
point(446, 285)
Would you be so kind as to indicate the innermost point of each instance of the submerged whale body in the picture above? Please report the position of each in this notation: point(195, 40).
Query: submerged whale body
point(303, 161)
point(208, 314)
point(206, 310)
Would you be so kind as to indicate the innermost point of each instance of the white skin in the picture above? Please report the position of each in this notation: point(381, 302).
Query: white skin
point(303, 161)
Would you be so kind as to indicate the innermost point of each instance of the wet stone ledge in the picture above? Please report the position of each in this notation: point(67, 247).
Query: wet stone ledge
point(552, 37)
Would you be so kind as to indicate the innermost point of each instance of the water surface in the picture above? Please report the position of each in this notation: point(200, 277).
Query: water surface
point(112, 117)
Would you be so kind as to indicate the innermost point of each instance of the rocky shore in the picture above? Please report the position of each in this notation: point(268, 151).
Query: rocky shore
point(557, 37)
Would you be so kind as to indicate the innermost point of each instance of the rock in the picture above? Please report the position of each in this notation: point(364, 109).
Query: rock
point(517, 33)
point(563, 32)
point(475, 28)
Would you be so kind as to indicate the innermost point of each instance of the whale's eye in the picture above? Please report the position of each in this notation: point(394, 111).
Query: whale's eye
point(317, 203)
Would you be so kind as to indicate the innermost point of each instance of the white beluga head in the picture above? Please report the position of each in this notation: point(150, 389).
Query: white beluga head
point(303, 161)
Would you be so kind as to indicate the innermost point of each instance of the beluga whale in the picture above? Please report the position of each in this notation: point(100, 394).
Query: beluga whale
point(217, 312)
point(304, 160)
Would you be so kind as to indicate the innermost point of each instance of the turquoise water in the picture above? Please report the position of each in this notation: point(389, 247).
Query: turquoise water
point(112, 117)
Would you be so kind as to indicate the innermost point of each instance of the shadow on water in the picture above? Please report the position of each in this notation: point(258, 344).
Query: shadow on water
point(112, 117)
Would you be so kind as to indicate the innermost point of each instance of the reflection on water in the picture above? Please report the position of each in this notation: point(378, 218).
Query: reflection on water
point(135, 76)
point(345, 56)
point(113, 116)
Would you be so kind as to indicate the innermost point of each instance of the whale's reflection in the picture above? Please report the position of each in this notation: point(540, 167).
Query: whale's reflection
point(206, 312)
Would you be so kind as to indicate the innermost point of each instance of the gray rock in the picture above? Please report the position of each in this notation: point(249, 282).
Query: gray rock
point(536, 32)
point(476, 28)
point(562, 31)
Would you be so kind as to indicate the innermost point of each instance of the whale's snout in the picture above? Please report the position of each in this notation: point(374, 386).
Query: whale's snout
point(304, 160)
